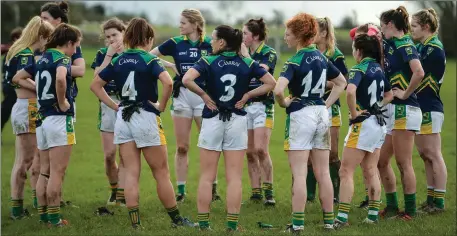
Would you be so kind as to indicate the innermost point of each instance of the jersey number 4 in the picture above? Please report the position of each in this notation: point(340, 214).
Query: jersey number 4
point(128, 90)
point(318, 89)
point(45, 75)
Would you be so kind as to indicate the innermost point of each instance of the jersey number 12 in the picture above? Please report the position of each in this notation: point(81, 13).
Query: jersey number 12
point(45, 75)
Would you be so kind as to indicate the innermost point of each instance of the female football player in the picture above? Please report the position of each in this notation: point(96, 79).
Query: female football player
point(307, 124)
point(326, 43)
point(424, 27)
point(24, 112)
point(404, 71)
point(367, 91)
point(260, 113)
point(138, 127)
point(113, 31)
point(186, 106)
point(227, 76)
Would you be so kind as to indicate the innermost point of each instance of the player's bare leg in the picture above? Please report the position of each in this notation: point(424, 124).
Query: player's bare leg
point(335, 162)
point(34, 171)
point(111, 168)
point(233, 173)
point(298, 164)
point(388, 178)
point(42, 184)
point(182, 127)
point(253, 168)
point(261, 142)
point(321, 170)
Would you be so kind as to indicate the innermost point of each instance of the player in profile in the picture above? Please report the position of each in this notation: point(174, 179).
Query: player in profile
point(24, 112)
point(307, 124)
point(404, 71)
point(186, 106)
point(260, 113)
point(113, 31)
point(424, 28)
point(227, 76)
point(326, 43)
point(56, 134)
point(367, 91)
point(138, 127)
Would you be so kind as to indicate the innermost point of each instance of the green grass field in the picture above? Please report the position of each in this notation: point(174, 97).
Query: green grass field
point(87, 187)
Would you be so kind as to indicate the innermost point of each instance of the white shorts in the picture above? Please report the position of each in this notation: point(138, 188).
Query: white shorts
point(367, 135)
point(144, 128)
point(260, 115)
point(216, 135)
point(431, 122)
point(187, 104)
point(74, 110)
point(334, 114)
point(23, 116)
point(403, 117)
point(56, 131)
point(107, 117)
point(307, 129)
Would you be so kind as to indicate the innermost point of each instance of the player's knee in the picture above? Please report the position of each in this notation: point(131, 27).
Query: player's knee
point(35, 171)
point(162, 174)
point(52, 194)
point(110, 156)
point(261, 153)
point(21, 172)
point(345, 172)
point(321, 173)
point(182, 149)
point(250, 154)
point(370, 172)
point(334, 156)
point(383, 164)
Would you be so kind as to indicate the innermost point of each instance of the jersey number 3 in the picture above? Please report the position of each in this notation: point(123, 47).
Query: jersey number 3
point(228, 89)
point(128, 90)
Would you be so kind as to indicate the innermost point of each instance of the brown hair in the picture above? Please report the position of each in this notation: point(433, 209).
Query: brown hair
point(399, 17)
point(63, 34)
point(257, 28)
point(303, 26)
point(194, 16)
point(16, 34)
point(57, 9)
point(138, 33)
point(233, 37)
point(113, 23)
point(330, 39)
point(427, 17)
point(370, 46)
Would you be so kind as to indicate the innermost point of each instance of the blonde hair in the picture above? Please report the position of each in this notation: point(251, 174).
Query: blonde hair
point(30, 35)
point(194, 16)
point(330, 39)
point(428, 17)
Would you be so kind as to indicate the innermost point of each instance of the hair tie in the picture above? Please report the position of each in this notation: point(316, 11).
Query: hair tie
point(372, 32)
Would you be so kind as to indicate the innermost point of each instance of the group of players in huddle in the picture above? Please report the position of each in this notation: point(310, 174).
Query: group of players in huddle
point(224, 82)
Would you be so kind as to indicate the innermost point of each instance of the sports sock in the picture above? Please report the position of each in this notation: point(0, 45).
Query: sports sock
point(34, 198)
point(174, 214)
point(366, 196)
point(439, 198)
point(181, 188)
point(311, 183)
point(120, 197)
point(268, 189)
point(53, 214)
point(203, 220)
point(232, 221)
point(373, 210)
point(410, 204)
point(392, 200)
point(430, 195)
point(328, 217)
point(42, 211)
point(298, 218)
point(17, 207)
point(343, 211)
point(257, 192)
point(134, 213)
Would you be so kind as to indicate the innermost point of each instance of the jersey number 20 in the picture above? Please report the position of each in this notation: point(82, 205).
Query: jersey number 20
point(128, 90)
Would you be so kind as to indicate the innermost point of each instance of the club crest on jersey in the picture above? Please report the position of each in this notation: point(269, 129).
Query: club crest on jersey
point(24, 60)
point(409, 51)
point(271, 57)
point(204, 53)
point(429, 50)
point(65, 61)
point(351, 75)
point(391, 51)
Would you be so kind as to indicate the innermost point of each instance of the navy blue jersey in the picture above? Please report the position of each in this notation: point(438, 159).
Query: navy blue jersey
point(19, 61)
point(266, 55)
point(76, 55)
point(135, 73)
point(338, 61)
point(400, 51)
point(45, 72)
point(185, 53)
point(307, 72)
point(368, 76)
point(433, 61)
point(227, 77)
point(98, 61)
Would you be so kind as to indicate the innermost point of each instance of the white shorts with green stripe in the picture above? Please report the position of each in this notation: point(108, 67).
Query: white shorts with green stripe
point(432, 122)
point(367, 135)
point(403, 117)
point(56, 131)
point(107, 117)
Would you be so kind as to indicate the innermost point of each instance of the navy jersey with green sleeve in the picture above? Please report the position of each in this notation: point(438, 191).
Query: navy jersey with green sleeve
point(433, 61)
point(266, 55)
point(338, 61)
point(98, 61)
point(368, 76)
point(399, 53)
point(185, 53)
point(227, 77)
point(307, 72)
point(78, 54)
point(135, 73)
point(19, 61)
point(45, 79)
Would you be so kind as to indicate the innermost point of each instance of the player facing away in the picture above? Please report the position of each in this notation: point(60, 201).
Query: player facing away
point(113, 31)
point(307, 123)
point(24, 112)
point(57, 13)
point(138, 127)
point(227, 76)
point(367, 91)
point(403, 69)
point(186, 106)
point(326, 43)
point(55, 129)
point(260, 113)
point(424, 28)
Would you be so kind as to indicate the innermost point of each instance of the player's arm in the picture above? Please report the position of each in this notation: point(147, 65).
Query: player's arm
point(165, 63)
point(410, 55)
point(61, 88)
point(100, 80)
point(388, 94)
point(339, 83)
point(167, 88)
point(189, 81)
point(78, 66)
point(278, 91)
point(258, 71)
point(22, 78)
point(351, 92)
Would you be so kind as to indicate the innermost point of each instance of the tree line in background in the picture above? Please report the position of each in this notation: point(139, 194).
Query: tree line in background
point(18, 13)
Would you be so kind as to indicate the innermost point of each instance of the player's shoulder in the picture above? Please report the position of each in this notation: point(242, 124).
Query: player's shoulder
point(296, 59)
point(148, 57)
point(337, 54)
point(210, 59)
point(102, 51)
point(434, 42)
point(206, 39)
point(25, 52)
point(178, 39)
point(248, 61)
point(361, 67)
point(404, 42)
point(266, 49)
point(58, 56)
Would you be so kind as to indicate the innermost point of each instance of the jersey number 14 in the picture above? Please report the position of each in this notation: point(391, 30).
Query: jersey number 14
point(320, 85)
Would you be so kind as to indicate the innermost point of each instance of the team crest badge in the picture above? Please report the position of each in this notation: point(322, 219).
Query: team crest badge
point(409, 51)
point(204, 53)
point(160, 63)
point(391, 51)
point(429, 50)
point(271, 58)
point(351, 75)
point(284, 68)
point(24, 60)
point(65, 61)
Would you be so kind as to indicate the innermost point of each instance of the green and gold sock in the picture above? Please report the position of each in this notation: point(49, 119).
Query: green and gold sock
point(113, 188)
point(257, 193)
point(181, 189)
point(53, 214)
point(366, 196)
point(298, 218)
point(34, 198)
point(392, 200)
point(430, 195)
point(17, 207)
point(232, 221)
point(174, 214)
point(268, 189)
point(311, 184)
point(343, 211)
point(42, 211)
point(439, 198)
point(134, 214)
point(373, 210)
point(410, 204)
point(203, 220)
point(120, 197)
point(328, 218)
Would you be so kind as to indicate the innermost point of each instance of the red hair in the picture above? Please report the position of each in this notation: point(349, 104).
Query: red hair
point(303, 26)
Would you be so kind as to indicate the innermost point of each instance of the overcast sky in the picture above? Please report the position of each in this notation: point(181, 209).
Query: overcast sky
point(367, 11)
